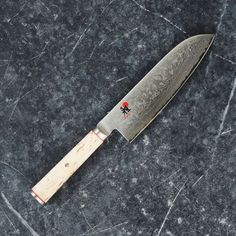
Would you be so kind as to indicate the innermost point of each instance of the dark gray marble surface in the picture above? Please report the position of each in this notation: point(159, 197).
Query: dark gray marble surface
point(63, 65)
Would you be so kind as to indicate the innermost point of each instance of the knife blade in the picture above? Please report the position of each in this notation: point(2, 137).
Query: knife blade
point(134, 112)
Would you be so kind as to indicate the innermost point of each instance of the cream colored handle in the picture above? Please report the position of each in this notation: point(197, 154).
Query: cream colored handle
point(59, 174)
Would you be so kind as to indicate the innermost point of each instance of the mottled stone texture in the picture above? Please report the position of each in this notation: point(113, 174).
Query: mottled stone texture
point(63, 65)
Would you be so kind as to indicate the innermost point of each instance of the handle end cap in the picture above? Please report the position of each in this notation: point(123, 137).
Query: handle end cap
point(37, 197)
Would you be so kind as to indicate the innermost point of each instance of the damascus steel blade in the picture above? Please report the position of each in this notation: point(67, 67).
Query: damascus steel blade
point(146, 100)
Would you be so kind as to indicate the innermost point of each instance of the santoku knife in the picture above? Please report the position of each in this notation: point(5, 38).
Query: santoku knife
point(134, 112)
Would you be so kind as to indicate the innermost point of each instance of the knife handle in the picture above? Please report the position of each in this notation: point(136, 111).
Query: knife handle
point(64, 169)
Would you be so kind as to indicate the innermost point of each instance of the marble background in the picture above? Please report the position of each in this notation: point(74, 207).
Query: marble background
point(63, 66)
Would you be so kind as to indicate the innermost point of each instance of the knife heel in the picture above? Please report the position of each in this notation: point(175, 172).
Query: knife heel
point(64, 169)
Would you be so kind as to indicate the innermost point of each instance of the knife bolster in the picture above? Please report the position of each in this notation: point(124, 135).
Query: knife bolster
point(60, 173)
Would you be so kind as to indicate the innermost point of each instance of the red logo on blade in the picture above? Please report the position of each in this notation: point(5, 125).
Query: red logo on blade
point(125, 109)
